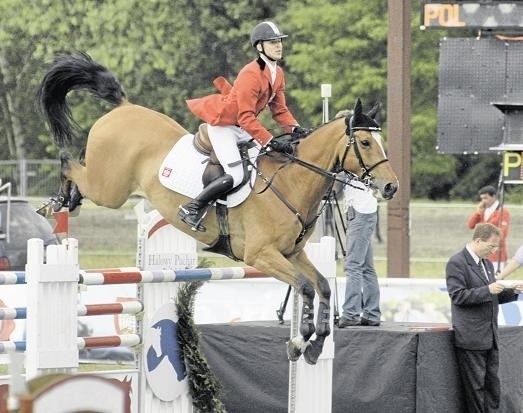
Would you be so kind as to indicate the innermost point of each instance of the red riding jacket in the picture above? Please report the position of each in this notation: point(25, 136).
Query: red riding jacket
point(500, 220)
point(241, 103)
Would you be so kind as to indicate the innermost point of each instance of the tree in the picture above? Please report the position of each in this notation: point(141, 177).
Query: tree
point(166, 52)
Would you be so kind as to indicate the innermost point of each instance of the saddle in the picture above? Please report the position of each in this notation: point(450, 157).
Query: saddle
point(213, 170)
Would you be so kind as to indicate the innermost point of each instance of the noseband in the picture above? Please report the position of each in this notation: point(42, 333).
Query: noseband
point(352, 141)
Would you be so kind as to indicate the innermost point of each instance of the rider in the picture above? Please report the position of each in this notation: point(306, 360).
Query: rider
point(232, 117)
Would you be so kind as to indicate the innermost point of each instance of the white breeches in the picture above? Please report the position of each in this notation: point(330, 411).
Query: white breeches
point(224, 140)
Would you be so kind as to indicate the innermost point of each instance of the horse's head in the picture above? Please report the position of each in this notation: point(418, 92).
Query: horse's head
point(363, 154)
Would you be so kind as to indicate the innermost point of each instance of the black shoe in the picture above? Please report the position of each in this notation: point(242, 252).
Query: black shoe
point(345, 322)
point(193, 212)
point(367, 322)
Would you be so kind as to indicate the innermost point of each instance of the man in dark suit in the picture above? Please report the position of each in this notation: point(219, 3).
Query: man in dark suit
point(475, 295)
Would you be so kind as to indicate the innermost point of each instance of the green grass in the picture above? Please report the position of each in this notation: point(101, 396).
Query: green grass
point(438, 230)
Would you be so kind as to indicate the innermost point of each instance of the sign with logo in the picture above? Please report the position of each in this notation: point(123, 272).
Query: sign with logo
point(163, 364)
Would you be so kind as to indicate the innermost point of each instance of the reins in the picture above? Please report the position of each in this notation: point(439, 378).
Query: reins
point(331, 175)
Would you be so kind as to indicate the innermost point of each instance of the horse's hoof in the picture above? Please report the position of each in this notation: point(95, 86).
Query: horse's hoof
point(75, 199)
point(295, 348)
point(293, 352)
point(312, 353)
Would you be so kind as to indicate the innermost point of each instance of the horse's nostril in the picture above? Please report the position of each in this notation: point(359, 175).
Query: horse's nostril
point(390, 190)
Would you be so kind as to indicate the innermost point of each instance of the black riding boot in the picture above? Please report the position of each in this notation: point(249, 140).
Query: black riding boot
point(193, 212)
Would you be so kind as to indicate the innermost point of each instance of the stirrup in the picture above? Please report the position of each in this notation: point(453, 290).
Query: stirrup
point(192, 219)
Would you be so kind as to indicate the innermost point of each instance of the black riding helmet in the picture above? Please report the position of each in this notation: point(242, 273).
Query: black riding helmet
point(265, 31)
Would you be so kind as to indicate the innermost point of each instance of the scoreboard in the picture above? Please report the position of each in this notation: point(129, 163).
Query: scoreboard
point(493, 15)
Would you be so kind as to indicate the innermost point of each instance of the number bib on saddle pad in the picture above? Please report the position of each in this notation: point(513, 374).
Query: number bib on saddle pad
point(182, 170)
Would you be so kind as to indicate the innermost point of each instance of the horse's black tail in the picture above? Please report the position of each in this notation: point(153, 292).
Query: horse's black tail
point(73, 72)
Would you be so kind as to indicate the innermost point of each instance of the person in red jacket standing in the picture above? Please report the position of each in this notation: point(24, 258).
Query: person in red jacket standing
point(490, 210)
point(232, 117)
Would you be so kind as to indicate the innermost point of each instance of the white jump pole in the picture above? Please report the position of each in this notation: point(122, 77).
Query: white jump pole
point(310, 387)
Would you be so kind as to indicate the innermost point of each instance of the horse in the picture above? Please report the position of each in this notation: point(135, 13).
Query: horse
point(126, 146)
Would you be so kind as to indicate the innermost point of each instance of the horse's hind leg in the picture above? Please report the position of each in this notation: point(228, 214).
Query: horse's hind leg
point(68, 195)
point(321, 285)
point(75, 195)
point(63, 196)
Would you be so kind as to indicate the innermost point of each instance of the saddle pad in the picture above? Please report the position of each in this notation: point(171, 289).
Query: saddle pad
point(182, 169)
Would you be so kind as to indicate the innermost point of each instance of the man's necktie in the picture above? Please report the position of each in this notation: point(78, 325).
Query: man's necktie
point(482, 271)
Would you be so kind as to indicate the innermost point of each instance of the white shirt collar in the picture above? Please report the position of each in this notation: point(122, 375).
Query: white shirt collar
point(477, 260)
point(490, 210)
point(271, 65)
point(474, 256)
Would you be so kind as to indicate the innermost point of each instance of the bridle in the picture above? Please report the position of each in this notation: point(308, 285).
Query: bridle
point(366, 176)
point(366, 170)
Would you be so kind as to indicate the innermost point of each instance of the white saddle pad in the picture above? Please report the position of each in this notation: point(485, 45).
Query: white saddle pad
point(182, 169)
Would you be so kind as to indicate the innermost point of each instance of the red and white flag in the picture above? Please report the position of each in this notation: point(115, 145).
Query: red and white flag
point(62, 222)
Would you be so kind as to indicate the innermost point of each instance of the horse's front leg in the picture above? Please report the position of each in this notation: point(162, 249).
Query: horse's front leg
point(321, 285)
point(297, 345)
point(274, 263)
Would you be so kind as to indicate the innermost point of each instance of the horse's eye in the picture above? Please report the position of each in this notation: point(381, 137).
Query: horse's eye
point(365, 143)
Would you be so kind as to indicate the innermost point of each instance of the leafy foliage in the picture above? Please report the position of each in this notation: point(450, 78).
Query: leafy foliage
point(166, 52)
point(203, 385)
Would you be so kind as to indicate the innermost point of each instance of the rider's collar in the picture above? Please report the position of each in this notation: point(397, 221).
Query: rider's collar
point(271, 64)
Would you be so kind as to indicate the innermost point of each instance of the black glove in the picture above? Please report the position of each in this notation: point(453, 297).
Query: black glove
point(281, 145)
point(299, 132)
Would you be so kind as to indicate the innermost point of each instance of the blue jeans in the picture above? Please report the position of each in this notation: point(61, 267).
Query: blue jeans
point(362, 293)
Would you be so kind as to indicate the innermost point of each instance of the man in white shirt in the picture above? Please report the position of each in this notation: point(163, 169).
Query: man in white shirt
point(475, 297)
point(362, 294)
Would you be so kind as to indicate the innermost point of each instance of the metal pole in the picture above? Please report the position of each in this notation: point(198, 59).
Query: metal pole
point(22, 189)
point(326, 91)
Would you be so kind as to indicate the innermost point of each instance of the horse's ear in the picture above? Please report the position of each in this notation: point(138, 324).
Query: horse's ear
point(374, 111)
point(358, 109)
